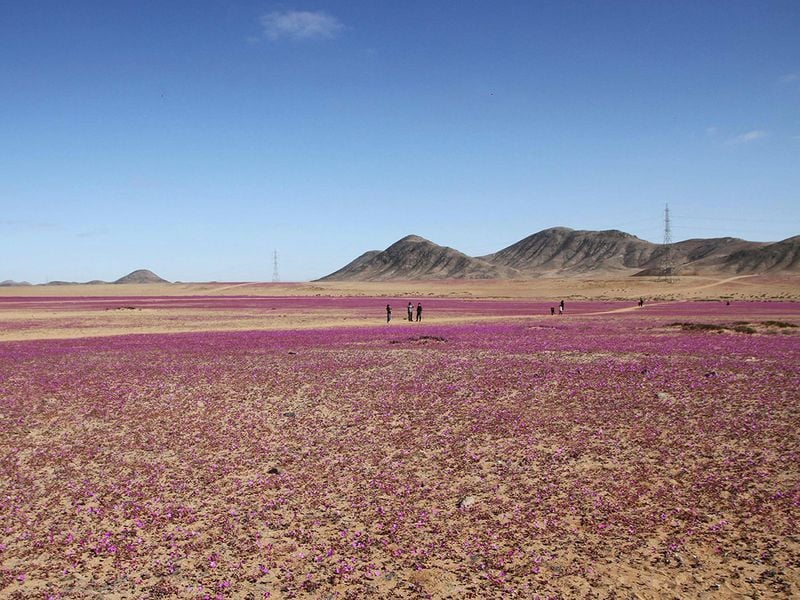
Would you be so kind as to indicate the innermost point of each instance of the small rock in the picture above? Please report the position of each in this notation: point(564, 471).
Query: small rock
point(274, 471)
point(466, 502)
point(290, 414)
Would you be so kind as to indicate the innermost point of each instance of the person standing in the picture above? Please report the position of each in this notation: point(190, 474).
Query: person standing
point(388, 313)
point(419, 312)
point(410, 312)
point(561, 307)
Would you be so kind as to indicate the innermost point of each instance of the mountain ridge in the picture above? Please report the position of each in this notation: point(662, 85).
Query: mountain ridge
point(562, 251)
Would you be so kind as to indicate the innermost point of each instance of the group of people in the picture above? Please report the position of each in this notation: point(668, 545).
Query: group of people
point(409, 309)
point(560, 308)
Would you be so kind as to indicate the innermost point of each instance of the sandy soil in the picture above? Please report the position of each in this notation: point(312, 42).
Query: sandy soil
point(747, 287)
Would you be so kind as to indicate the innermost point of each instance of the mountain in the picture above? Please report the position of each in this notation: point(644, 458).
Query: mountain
point(414, 257)
point(768, 258)
point(141, 276)
point(711, 250)
point(696, 256)
point(565, 252)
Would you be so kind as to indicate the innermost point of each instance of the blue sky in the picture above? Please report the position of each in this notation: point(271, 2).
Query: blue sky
point(195, 138)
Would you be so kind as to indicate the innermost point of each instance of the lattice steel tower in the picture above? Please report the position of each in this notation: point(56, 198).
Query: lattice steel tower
point(275, 276)
point(667, 264)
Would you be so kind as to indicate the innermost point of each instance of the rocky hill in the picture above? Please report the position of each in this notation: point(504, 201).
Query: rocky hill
point(414, 257)
point(698, 256)
point(562, 250)
point(780, 256)
point(141, 276)
point(354, 269)
point(565, 252)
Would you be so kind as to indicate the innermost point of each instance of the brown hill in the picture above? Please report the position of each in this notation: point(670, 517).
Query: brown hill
point(781, 256)
point(414, 257)
point(566, 251)
point(141, 276)
point(353, 269)
point(696, 256)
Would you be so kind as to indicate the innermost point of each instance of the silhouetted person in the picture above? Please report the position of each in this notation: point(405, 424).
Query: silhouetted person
point(388, 313)
point(552, 310)
point(561, 307)
point(641, 302)
point(419, 312)
point(410, 312)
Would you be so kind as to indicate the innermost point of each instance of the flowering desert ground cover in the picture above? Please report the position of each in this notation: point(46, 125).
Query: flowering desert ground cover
point(295, 445)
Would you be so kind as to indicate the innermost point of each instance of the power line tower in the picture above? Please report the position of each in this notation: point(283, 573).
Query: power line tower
point(275, 276)
point(667, 263)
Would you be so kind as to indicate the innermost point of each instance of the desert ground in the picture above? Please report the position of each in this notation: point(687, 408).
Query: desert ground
point(68, 311)
point(786, 286)
point(239, 440)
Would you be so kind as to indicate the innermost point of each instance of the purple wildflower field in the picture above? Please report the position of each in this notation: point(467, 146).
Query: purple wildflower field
point(599, 454)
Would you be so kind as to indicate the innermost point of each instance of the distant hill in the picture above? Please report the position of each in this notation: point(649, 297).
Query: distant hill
point(414, 257)
point(565, 252)
point(11, 283)
point(141, 276)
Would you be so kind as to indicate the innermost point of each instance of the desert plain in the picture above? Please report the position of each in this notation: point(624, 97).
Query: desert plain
point(240, 440)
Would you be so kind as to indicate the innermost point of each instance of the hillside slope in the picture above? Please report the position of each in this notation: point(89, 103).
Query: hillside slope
point(414, 257)
point(562, 250)
point(783, 256)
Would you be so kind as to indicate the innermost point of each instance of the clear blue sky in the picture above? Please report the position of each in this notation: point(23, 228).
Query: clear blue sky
point(194, 138)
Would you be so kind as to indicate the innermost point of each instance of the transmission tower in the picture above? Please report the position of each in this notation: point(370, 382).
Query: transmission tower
point(275, 276)
point(667, 264)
